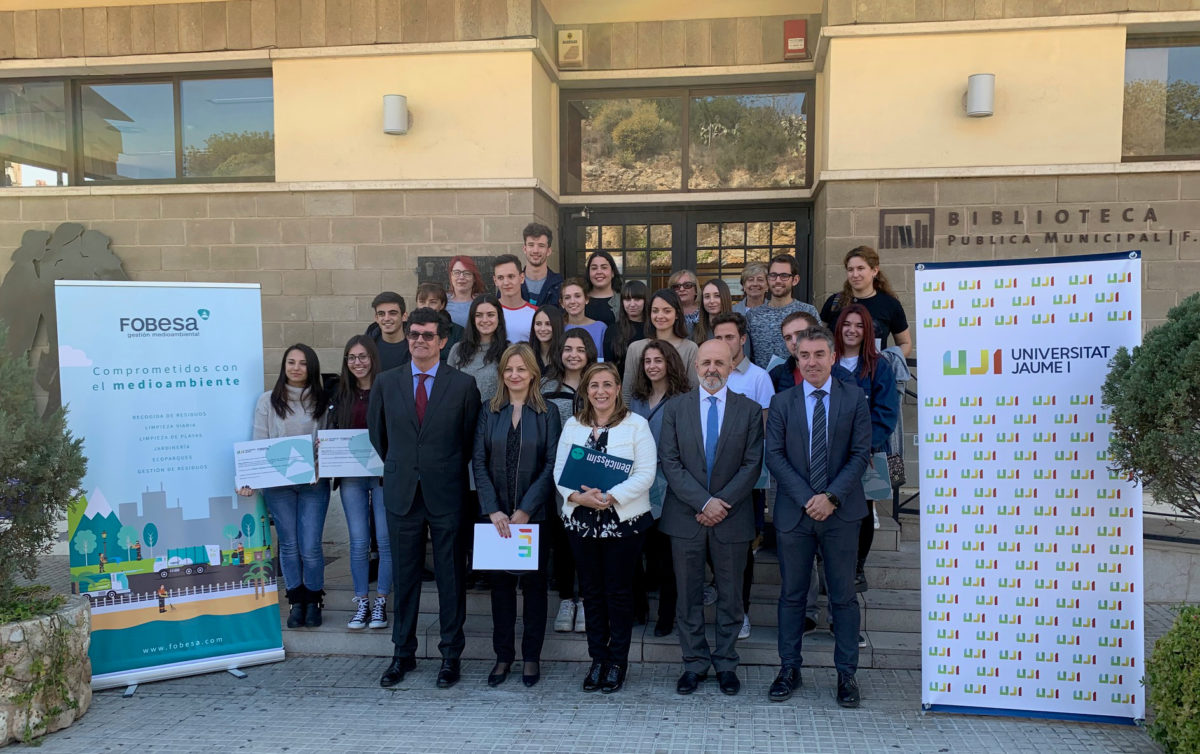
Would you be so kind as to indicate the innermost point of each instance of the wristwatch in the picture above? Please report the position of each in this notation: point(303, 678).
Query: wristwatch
point(833, 499)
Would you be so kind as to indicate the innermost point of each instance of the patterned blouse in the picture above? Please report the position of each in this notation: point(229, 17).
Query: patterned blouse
point(596, 524)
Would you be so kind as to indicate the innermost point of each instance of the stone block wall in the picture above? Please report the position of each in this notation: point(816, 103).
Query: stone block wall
point(320, 256)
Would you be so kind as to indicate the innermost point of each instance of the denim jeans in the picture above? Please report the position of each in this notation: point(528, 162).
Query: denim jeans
point(299, 514)
point(362, 498)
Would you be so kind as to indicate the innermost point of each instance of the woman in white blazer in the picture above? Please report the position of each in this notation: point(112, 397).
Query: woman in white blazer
point(606, 527)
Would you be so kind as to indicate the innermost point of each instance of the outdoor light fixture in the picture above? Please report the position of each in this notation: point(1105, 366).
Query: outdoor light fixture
point(396, 119)
point(980, 99)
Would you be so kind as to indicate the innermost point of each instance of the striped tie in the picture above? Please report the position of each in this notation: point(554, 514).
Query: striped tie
point(819, 463)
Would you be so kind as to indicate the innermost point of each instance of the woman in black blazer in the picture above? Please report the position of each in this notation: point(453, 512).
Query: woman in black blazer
point(515, 444)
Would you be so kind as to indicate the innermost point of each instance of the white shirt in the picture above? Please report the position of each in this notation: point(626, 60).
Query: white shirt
point(752, 381)
point(721, 395)
point(518, 321)
point(810, 403)
point(849, 363)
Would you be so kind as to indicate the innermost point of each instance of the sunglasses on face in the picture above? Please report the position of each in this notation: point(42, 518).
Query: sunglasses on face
point(428, 337)
point(683, 286)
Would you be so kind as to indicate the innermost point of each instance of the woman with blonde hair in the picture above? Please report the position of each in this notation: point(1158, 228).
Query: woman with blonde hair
point(867, 285)
point(515, 443)
point(606, 526)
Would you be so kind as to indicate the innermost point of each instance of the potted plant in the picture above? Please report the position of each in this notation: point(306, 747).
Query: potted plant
point(45, 673)
point(1154, 392)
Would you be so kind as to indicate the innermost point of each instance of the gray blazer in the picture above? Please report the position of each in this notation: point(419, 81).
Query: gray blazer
point(849, 451)
point(737, 468)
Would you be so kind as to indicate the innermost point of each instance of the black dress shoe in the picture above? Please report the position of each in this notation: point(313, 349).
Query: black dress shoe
point(449, 673)
point(591, 681)
point(860, 580)
point(531, 673)
point(689, 682)
point(614, 679)
point(499, 673)
point(662, 628)
point(395, 672)
point(784, 684)
point(847, 691)
point(728, 681)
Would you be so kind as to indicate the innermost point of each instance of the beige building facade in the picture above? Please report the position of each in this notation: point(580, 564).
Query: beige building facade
point(674, 134)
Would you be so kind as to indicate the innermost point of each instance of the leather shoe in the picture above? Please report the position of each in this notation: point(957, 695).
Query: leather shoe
point(591, 681)
point(662, 628)
point(728, 681)
point(449, 673)
point(784, 684)
point(499, 673)
point(614, 679)
point(531, 673)
point(396, 671)
point(689, 682)
point(847, 691)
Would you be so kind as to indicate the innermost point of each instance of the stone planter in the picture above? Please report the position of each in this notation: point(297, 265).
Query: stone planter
point(41, 697)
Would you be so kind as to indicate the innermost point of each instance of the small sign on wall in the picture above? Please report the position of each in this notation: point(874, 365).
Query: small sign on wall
point(570, 48)
point(795, 39)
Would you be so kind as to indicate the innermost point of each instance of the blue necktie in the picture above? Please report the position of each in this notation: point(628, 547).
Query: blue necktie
point(710, 437)
point(818, 465)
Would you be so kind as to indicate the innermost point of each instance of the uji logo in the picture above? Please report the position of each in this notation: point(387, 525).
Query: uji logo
point(1114, 679)
point(969, 285)
point(938, 581)
point(975, 688)
point(1024, 300)
point(984, 419)
point(945, 419)
point(1104, 418)
point(946, 563)
point(1066, 418)
point(1024, 601)
point(1010, 691)
point(1108, 531)
point(1045, 437)
point(1043, 319)
point(1119, 512)
point(939, 687)
point(1045, 510)
point(1108, 298)
point(1067, 566)
point(1113, 606)
point(1083, 474)
point(1007, 400)
point(987, 600)
point(1083, 549)
point(945, 492)
point(1043, 281)
point(1028, 674)
point(1064, 493)
point(932, 322)
point(1010, 655)
point(987, 672)
point(1026, 565)
point(970, 401)
point(1110, 642)
point(935, 402)
point(1083, 659)
point(1079, 280)
point(935, 437)
point(947, 599)
point(945, 455)
point(1044, 400)
point(1123, 698)
point(942, 304)
point(943, 528)
point(1008, 437)
point(1120, 661)
point(1080, 318)
point(983, 303)
point(1044, 474)
point(1005, 320)
point(1078, 622)
point(1124, 587)
point(970, 321)
point(1008, 547)
point(985, 492)
point(955, 363)
point(1120, 549)
point(1008, 510)
point(1110, 567)
point(1063, 298)
point(1108, 494)
point(1121, 624)
point(1025, 530)
point(1024, 419)
point(1002, 283)
point(937, 544)
point(525, 537)
point(947, 669)
point(1066, 455)
point(935, 509)
point(1083, 585)
point(971, 473)
point(1083, 511)
point(1117, 278)
point(1082, 399)
point(984, 529)
point(936, 473)
point(1010, 619)
point(1069, 676)
point(1124, 316)
point(1008, 474)
point(947, 633)
point(1025, 455)
point(1046, 548)
point(1067, 603)
point(934, 287)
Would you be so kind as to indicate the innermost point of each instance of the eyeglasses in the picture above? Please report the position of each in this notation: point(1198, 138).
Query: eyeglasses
point(426, 336)
point(358, 357)
point(779, 276)
point(461, 273)
point(683, 286)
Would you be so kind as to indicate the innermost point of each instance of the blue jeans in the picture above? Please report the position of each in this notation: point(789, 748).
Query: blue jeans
point(299, 514)
point(362, 499)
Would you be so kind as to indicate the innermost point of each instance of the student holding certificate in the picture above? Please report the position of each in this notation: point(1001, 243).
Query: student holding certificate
point(515, 442)
point(296, 406)
point(362, 496)
point(606, 523)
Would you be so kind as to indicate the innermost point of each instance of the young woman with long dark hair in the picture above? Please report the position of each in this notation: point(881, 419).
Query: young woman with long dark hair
point(546, 336)
point(714, 299)
point(603, 283)
point(631, 323)
point(483, 342)
point(665, 324)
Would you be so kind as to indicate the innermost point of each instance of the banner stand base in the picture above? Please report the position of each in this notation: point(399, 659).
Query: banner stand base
point(1032, 714)
point(130, 690)
point(236, 673)
point(182, 669)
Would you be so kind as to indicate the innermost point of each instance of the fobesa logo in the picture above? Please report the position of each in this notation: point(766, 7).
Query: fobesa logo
point(141, 327)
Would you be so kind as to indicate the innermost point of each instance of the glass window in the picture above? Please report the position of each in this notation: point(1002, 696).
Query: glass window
point(128, 131)
point(33, 134)
point(1162, 101)
point(625, 144)
point(747, 141)
point(228, 127)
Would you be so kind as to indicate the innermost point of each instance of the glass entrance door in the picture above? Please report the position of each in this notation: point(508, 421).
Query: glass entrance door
point(649, 245)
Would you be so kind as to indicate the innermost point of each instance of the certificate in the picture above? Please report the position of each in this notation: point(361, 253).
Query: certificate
point(594, 469)
point(517, 553)
point(347, 452)
point(278, 462)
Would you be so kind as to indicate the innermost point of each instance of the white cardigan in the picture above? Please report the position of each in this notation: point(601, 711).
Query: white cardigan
point(629, 439)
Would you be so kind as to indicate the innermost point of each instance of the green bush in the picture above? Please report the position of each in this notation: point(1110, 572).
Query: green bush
point(41, 467)
point(642, 134)
point(1154, 393)
point(1173, 683)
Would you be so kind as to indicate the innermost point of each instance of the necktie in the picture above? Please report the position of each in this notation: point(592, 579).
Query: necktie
point(422, 398)
point(818, 464)
point(710, 437)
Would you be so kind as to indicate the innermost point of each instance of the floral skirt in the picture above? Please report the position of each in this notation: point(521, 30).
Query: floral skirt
point(589, 522)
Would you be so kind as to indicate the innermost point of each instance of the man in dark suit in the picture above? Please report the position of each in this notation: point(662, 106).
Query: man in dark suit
point(818, 444)
point(711, 453)
point(421, 419)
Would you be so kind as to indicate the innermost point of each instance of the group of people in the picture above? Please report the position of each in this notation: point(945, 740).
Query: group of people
point(475, 400)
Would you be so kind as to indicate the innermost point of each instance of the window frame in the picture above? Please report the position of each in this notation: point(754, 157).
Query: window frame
point(686, 94)
point(1148, 41)
point(74, 109)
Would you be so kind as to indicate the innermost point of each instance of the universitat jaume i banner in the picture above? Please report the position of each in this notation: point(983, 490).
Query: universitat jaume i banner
point(1031, 547)
point(160, 380)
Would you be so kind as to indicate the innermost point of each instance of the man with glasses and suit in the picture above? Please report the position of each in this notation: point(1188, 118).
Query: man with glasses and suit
point(818, 446)
point(710, 450)
point(421, 419)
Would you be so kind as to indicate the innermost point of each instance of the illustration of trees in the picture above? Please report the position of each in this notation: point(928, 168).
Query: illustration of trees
point(126, 537)
point(248, 527)
point(230, 531)
point(257, 576)
point(150, 537)
point(85, 544)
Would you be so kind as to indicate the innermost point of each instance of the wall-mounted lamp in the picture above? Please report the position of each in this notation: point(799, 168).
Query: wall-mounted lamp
point(396, 118)
point(980, 99)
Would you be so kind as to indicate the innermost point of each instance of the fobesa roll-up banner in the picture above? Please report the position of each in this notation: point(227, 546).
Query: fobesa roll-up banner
point(160, 379)
point(1031, 547)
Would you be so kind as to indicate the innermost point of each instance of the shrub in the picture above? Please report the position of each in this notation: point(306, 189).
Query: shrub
point(41, 467)
point(1154, 393)
point(643, 133)
point(1173, 683)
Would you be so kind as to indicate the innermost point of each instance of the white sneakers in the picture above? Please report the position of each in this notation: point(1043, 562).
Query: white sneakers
point(580, 622)
point(564, 622)
point(745, 632)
